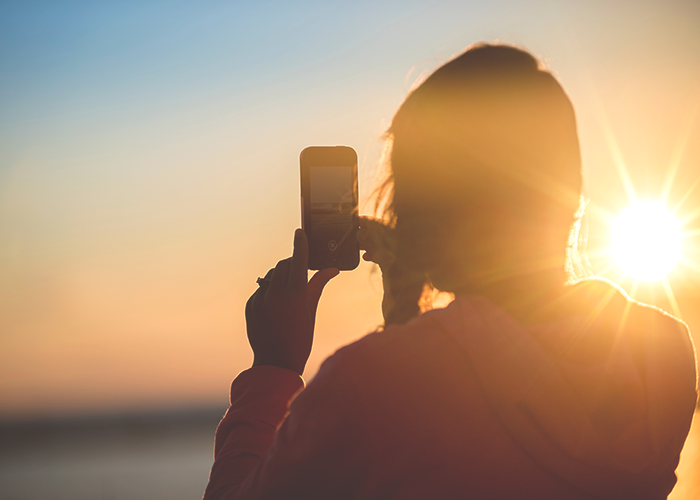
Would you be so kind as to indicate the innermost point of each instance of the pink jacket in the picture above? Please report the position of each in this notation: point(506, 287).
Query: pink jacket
point(464, 402)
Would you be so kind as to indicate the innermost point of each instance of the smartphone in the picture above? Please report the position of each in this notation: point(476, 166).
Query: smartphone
point(329, 201)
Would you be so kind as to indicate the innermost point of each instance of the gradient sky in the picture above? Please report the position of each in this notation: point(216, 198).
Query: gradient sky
point(149, 165)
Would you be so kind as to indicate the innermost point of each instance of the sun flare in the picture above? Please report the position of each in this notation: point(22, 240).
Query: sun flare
point(646, 241)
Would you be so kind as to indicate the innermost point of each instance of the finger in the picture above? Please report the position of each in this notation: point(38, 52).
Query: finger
point(264, 282)
point(298, 269)
point(280, 276)
point(316, 284)
point(253, 309)
point(371, 234)
point(377, 241)
point(371, 223)
point(364, 220)
point(364, 239)
point(249, 308)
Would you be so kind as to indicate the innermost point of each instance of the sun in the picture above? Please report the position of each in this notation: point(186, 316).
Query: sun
point(646, 241)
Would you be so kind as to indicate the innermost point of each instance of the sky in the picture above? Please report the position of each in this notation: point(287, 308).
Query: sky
point(149, 166)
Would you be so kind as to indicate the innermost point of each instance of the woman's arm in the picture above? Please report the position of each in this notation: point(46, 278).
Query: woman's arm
point(260, 400)
point(319, 451)
point(280, 319)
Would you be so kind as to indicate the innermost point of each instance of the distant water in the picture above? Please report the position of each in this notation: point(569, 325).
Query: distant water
point(152, 457)
point(156, 456)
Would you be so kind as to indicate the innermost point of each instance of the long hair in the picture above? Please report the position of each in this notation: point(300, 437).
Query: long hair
point(484, 178)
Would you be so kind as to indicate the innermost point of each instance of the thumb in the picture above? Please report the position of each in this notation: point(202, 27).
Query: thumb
point(316, 284)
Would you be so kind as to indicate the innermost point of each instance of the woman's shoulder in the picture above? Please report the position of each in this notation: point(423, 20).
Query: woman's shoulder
point(602, 297)
point(600, 320)
point(390, 351)
point(417, 331)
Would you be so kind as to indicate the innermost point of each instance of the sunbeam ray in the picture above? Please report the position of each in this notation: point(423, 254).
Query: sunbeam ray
point(690, 217)
point(597, 211)
point(671, 298)
point(618, 160)
point(686, 195)
point(690, 233)
point(598, 253)
point(678, 151)
point(689, 263)
point(607, 269)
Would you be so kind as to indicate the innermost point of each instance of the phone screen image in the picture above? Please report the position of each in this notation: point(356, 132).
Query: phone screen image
point(331, 190)
point(329, 195)
point(331, 203)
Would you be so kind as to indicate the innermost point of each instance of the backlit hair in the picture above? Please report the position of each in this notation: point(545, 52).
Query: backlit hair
point(484, 177)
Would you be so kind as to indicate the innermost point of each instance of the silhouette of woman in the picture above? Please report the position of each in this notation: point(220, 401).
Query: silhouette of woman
point(529, 384)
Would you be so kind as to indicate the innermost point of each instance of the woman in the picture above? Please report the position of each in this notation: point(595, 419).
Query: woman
point(528, 385)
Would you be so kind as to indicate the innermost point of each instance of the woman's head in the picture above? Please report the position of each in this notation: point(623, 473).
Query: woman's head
point(485, 177)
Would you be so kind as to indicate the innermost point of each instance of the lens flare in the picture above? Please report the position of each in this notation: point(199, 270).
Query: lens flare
point(646, 241)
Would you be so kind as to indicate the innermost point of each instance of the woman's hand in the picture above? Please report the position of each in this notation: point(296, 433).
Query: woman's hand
point(377, 240)
point(281, 314)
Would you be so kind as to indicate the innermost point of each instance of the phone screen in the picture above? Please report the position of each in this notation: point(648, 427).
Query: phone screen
point(331, 203)
point(329, 199)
